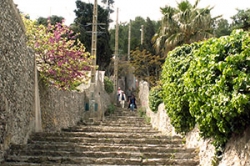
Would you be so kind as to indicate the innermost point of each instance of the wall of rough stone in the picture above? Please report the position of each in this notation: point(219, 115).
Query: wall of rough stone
point(60, 109)
point(237, 150)
point(159, 120)
point(16, 79)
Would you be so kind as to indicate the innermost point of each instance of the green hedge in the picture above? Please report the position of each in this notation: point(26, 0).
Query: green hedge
point(208, 83)
point(174, 92)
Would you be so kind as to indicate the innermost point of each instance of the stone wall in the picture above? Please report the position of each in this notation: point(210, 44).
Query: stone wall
point(16, 79)
point(60, 109)
point(237, 151)
point(159, 120)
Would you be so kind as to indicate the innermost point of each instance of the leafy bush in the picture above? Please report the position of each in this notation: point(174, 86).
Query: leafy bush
point(108, 85)
point(110, 110)
point(208, 83)
point(218, 82)
point(155, 98)
point(174, 93)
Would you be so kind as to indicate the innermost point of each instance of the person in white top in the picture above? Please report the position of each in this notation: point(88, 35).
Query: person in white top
point(118, 93)
point(122, 99)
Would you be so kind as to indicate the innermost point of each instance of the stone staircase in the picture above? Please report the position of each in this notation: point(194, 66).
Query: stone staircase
point(122, 139)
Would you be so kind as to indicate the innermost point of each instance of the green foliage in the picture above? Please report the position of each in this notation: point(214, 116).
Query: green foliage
point(155, 98)
point(150, 28)
point(184, 24)
point(222, 28)
point(108, 85)
point(174, 93)
point(218, 83)
point(110, 110)
point(53, 20)
point(209, 82)
point(241, 19)
point(146, 66)
point(74, 85)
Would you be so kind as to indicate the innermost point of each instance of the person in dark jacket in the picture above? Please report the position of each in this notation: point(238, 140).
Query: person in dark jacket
point(132, 103)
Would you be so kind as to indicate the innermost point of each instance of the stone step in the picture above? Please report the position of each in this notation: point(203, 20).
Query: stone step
point(130, 141)
point(115, 154)
point(117, 129)
point(37, 164)
point(169, 148)
point(104, 135)
point(120, 121)
point(125, 125)
point(122, 138)
point(133, 160)
point(124, 121)
point(123, 114)
point(111, 121)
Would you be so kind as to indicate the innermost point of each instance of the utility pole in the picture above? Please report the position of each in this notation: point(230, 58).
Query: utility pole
point(129, 38)
point(142, 34)
point(116, 56)
point(93, 53)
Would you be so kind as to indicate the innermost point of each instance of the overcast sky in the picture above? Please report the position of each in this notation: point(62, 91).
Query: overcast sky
point(128, 9)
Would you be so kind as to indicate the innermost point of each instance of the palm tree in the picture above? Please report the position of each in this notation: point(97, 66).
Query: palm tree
point(183, 25)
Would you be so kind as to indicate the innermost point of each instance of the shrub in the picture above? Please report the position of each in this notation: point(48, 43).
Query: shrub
point(218, 82)
point(174, 93)
point(108, 85)
point(208, 83)
point(110, 110)
point(155, 98)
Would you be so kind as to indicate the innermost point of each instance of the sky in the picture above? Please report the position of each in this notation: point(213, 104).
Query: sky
point(127, 9)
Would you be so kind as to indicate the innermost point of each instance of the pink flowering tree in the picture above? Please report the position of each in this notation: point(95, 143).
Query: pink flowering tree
point(61, 59)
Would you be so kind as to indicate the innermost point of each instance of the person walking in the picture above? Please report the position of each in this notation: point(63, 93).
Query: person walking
point(122, 99)
point(119, 91)
point(132, 103)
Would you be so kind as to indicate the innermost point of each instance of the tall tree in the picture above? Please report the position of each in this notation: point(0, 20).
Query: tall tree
point(143, 58)
point(83, 25)
point(241, 20)
point(222, 28)
point(146, 66)
point(53, 20)
point(185, 24)
point(150, 28)
point(109, 7)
